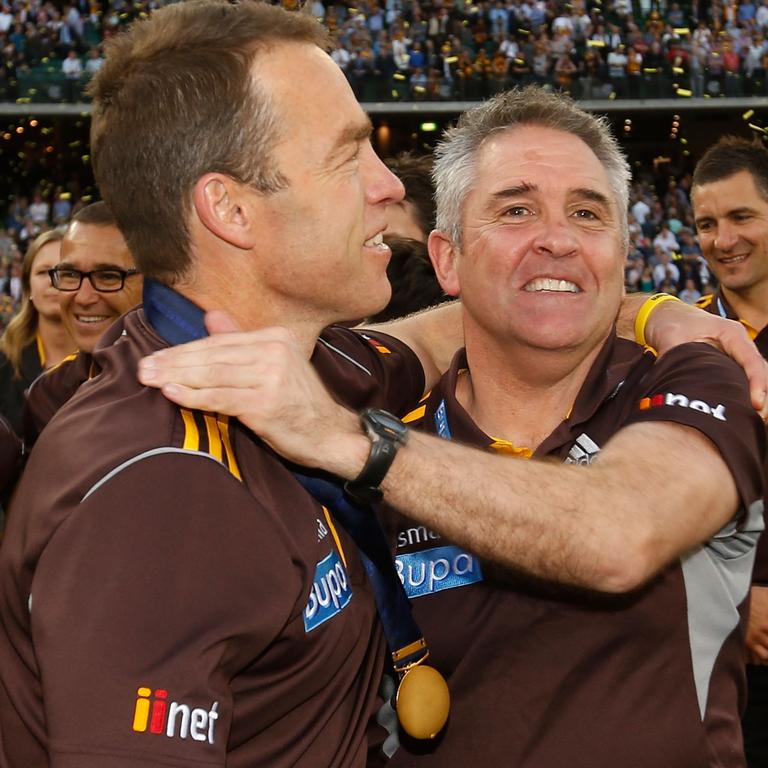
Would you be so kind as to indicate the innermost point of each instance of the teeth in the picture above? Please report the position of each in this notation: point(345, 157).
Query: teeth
point(550, 284)
point(92, 318)
point(732, 259)
point(376, 240)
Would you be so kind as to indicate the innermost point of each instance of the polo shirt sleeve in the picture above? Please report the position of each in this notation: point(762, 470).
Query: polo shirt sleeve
point(50, 391)
point(366, 369)
point(146, 602)
point(699, 387)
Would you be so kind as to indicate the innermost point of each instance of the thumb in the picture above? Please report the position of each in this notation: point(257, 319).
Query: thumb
point(218, 321)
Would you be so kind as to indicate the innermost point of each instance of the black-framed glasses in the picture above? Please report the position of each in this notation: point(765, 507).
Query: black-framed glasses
point(108, 280)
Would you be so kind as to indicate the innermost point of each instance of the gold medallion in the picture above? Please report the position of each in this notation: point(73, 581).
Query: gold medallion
point(422, 702)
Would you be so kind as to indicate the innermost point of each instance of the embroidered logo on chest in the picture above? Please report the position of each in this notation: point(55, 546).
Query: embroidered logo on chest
point(433, 570)
point(330, 593)
point(583, 451)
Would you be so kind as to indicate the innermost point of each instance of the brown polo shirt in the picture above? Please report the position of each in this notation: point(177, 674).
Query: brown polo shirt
point(543, 676)
point(171, 596)
point(717, 304)
point(51, 389)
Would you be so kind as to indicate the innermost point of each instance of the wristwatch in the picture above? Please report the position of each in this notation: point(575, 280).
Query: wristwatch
point(387, 433)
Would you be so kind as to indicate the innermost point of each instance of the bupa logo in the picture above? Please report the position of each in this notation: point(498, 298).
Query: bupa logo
point(434, 570)
point(174, 719)
point(330, 593)
point(682, 401)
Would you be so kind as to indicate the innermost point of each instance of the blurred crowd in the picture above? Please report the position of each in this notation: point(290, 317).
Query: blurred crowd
point(446, 49)
point(590, 48)
point(664, 254)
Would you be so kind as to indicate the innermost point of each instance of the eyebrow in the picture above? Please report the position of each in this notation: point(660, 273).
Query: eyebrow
point(732, 212)
point(96, 267)
point(519, 189)
point(579, 192)
point(590, 194)
point(351, 134)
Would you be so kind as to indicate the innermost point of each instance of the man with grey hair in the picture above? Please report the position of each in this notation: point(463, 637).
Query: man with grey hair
point(585, 615)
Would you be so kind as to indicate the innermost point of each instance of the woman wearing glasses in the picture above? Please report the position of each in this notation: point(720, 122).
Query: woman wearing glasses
point(36, 339)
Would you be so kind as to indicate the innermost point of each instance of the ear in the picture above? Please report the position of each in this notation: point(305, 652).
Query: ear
point(444, 256)
point(225, 208)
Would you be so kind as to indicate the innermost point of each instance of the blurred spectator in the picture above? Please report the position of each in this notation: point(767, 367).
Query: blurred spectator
point(640, 210)
point(665, 271)
point(690, 294)
point(62, 208)
point(94, 63)
point(666, 240)
point(36, 338)
point(72, 68)
point(38, 210)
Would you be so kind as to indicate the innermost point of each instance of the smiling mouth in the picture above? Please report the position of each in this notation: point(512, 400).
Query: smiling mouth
point(728, 260)
point(551, 285)
point(91, 319)
point(377, 241)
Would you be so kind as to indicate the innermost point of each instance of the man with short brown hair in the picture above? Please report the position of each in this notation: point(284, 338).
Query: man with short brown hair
point(170, 595)
point(730, 202)
point(98, 282)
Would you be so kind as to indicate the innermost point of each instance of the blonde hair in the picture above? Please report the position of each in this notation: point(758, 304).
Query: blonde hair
point(21, 331)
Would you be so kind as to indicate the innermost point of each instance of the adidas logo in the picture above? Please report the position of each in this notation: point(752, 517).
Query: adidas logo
point(583, 451)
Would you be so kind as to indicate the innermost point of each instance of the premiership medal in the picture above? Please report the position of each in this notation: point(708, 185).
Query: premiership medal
point(422, 702)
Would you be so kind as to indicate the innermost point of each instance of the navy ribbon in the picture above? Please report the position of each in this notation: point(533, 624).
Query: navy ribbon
point(404, 637)
point(178, 320)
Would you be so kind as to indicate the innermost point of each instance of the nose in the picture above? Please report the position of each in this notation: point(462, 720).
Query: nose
point(86, 295)
point(555, 238)
point(381, 185)
point(726, 237)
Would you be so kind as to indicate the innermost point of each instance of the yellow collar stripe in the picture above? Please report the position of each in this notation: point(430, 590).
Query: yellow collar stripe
point(223, 422)
point(191, 433)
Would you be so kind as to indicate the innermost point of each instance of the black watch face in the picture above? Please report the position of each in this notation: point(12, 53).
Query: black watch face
point(384, 424)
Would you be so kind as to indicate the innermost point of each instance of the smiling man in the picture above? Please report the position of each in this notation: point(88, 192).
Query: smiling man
point(96, 277)
point(97, 282)
point(169, 592)
point(611, 633)
point(531, 234)
point(730, 203)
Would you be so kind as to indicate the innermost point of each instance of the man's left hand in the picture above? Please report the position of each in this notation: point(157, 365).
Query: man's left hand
point(757, 629)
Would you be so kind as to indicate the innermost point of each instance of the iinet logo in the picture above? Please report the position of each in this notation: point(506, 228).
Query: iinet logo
point(173, 718)
point(681, 400)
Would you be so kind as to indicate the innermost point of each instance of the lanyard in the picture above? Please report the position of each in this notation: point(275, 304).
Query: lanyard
point(721, 309)
point(441, 422)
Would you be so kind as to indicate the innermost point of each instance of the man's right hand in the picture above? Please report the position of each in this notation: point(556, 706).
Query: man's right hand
point(264, 379)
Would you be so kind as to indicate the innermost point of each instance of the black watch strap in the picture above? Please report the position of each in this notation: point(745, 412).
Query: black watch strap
point(387, 434)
